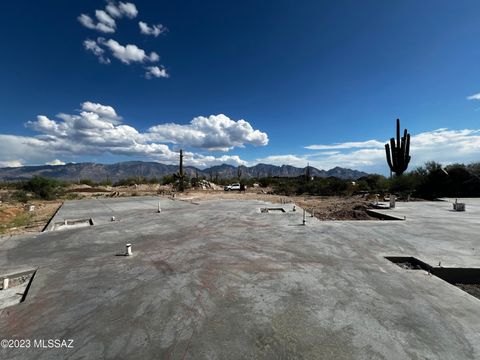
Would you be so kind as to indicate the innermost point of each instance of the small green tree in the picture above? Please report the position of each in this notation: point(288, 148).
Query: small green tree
point(43, 188)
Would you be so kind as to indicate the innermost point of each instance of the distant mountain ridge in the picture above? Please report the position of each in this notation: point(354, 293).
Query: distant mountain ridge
point(122, 170)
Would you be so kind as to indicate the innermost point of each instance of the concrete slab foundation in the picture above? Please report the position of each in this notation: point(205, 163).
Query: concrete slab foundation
point(220, 280)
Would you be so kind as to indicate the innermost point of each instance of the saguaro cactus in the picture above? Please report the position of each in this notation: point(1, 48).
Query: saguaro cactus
point(398, 154)
point(180, 176)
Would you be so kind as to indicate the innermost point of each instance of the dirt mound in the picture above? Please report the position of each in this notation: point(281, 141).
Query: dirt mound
point(207, 185)
point(88, 190)
point(356, 212)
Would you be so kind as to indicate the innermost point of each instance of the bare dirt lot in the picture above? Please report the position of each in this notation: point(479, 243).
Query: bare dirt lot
point(15, 218)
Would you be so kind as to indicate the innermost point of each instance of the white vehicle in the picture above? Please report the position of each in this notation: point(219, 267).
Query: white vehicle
point(231, 187)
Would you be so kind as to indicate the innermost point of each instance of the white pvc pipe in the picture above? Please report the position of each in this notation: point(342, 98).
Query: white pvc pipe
point(128, 250)
point(304, 216)
point(159, 209)
point(5, 283)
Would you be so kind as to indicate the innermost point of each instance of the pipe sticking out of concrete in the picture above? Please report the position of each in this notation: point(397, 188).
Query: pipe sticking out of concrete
point(294, 208)
point(5, 283)
point(128, 251)
point(312, 214)
point(159, 209)
point(392, 201)
point(113, 218)
point(304, 216)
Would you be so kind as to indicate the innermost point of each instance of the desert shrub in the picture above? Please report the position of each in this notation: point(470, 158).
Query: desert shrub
point(137, 180)
point(106, 182)
point(20, 196)
point(266, 181)
point(318, 186)
point(194, 181)
point(284, 186)
point(474, 169)
point(456, 180)
point(153, 180)
point(72, 196)
point(87, 182)
point(43, 188)
point(405, 184)
point(372, 183)
point(168, 179)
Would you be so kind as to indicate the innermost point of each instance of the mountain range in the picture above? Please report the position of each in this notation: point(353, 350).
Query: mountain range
point(128, 169)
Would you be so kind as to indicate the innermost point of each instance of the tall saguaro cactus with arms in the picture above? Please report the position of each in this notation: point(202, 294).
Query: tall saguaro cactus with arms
point(398, 153)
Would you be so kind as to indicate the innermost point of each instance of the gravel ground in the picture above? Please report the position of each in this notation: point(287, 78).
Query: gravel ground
point(472, 289)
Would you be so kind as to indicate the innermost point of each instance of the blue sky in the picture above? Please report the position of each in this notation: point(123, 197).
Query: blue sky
point(283, 82)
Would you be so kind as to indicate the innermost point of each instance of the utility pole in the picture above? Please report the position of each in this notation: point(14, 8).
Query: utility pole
point(307, 172)
point(181, 186)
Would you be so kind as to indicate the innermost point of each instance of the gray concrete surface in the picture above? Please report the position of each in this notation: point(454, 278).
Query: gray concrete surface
point(18, 283)
point(220, 280)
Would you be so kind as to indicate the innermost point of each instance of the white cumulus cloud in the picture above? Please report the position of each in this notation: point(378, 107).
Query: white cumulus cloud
point(154, 30)
point(129, 53)
point(96, 129)
point(11, 163)
point(129, 9)
point(347, 145)
point(105, 19)
point(287, 159)
point(216, 132)
point(203, 161)
point(474, 97)
point(102, 110)
point(91, 45)
point(101, 26)
point(156, 71)
point(55, 162)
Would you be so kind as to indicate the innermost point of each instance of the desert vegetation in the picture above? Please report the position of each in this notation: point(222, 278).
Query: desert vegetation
point(429, 181)
point(347, 198)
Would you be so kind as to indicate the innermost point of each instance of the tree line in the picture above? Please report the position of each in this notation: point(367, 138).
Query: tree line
point(429, 181)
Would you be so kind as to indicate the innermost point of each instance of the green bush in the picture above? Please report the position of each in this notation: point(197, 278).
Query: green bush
point(373, 183)
point(43, 188)
point(132, 181)
point(154, 180)
point(406, 184)
point(20, 196)
point(168, 179)
point(318, 186)
point(432, 181)
point(87, 182)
